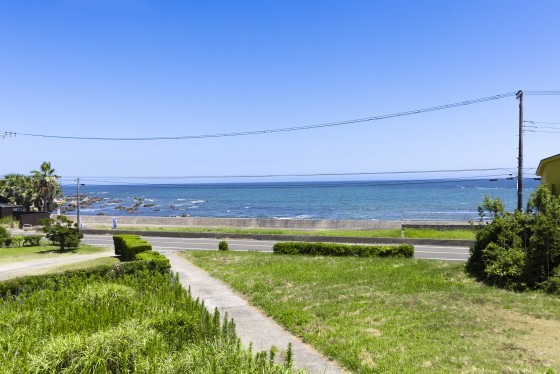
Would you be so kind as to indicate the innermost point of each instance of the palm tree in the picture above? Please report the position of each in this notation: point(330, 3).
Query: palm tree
point(46, 184)
point(19, 190)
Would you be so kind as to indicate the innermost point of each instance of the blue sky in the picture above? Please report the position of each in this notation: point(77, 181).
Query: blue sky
point(173, 68)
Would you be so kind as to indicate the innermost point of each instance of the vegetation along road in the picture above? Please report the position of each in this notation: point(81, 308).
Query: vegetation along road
point(175, 244)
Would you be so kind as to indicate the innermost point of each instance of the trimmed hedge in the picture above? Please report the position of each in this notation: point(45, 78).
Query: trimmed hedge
point(127, 246)
point(331, 249)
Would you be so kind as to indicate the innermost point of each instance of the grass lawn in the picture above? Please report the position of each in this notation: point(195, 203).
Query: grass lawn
point(392, 233)
point(396, 315)
point(15, 254)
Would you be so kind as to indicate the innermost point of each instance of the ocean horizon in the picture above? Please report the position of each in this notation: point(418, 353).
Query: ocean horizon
point(432, 200)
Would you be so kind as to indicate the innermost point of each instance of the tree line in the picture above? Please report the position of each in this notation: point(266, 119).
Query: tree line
point(35, 192)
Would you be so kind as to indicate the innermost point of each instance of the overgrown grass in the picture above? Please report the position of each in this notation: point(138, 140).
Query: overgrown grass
point(143, 322)
point(396, 315)
point(392, 233)
point(14, 254)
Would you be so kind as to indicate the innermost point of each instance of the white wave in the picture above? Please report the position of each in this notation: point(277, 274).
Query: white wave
point(197, 201)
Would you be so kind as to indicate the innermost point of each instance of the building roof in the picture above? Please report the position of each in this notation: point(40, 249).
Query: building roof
point(545, 161)
point(2, 205)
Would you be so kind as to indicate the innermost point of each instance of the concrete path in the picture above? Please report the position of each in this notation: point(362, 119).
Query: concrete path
point(252, 325)
point(40, 266)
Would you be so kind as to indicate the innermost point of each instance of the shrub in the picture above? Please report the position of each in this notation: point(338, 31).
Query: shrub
point(329, 249)
point(32, 240)
point(5, 237)
point(62, 232)
point(18, 240)
point(4, 233)
point(223, 246)
point(127, 246)
point(522, 249)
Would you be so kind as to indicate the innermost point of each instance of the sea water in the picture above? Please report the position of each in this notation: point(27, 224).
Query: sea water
point(439, 200)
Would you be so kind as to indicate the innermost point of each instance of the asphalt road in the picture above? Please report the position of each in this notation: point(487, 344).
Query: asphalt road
point(180, 244)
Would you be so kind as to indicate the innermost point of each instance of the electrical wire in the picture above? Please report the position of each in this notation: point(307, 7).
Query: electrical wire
point(326, 184)
point(298, 175)
point(285, 129)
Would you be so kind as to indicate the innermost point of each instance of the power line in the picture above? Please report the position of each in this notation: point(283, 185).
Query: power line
point(285, 129)
point(334, 184)
point(292, 175)
point(545, 123)
point(542, 93)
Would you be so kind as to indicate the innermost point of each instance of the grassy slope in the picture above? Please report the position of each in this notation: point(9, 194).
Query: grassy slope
point(396, 315)
point(44, 251)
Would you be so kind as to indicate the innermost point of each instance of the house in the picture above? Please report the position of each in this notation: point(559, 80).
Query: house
point(549, 171)
point(7, 209)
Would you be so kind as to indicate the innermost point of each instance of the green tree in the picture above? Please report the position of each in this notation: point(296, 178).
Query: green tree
point(35, 192)
point(19, 190)
point(522, 249)
point(46, 184)
point(62, 232)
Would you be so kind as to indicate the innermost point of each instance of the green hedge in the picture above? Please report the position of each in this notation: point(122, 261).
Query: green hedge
point(331, 249)
point(127, 246)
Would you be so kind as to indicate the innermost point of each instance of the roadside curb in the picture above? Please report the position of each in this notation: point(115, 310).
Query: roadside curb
point(290, 238)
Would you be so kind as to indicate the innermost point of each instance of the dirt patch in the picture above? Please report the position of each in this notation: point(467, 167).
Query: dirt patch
point(540, 337)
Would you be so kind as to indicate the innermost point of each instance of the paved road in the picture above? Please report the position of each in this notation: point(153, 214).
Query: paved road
point(176, 244)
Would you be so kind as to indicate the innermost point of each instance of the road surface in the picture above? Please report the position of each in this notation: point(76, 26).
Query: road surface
point(180, 244)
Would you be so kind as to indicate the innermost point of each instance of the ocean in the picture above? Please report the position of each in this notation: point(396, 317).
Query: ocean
point(435, 200)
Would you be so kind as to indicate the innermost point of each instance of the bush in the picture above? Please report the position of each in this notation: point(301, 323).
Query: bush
point(127, 246)
point(328, 249)
point(223, 246)
point(62, 232)
point(17, 241)
point(5, 237)
point(4, 233)
point(154, 261)
point(32, 240)
point(522, 249)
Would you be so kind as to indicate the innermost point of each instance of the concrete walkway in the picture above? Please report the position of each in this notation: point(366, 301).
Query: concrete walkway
point(252, 325)
point(40, 266)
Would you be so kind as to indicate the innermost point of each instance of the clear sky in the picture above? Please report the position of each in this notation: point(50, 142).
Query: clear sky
point(108, 68)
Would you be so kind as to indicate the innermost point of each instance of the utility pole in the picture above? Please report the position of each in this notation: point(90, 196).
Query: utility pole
point(78, 204)
point(519, 96)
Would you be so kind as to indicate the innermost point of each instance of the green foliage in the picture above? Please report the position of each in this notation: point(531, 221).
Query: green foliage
point(32, 240)
point(490, 209)
point(3, 232)
point(223, 246)
point(127, 246)
point(62, 232)
point(8, 221)
point(522, 249)
point(4, 236)
point(35, 192)
point(121, 319)
point(17, 241)
point(328, 249)
point(154, 261)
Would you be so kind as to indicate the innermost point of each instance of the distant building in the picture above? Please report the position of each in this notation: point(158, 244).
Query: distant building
point(7, 209)
point(549, 171)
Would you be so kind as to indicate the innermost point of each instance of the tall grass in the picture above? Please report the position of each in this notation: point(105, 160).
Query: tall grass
point(144, 322)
